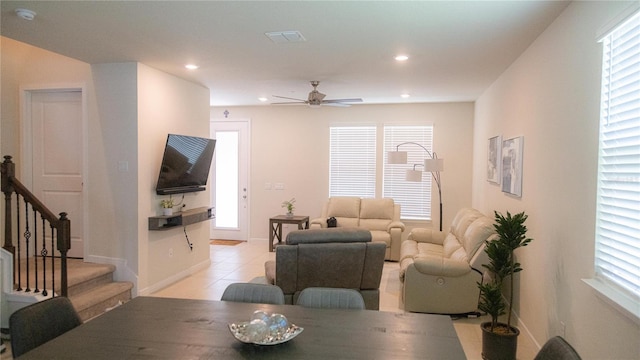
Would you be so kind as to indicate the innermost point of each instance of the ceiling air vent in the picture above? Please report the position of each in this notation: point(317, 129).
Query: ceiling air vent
point(280, 37)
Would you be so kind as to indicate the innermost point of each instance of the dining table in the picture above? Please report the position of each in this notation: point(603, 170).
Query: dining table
point(170, 328)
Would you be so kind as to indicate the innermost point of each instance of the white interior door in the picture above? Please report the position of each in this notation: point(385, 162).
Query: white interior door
point(229, 176)
point(57, 157)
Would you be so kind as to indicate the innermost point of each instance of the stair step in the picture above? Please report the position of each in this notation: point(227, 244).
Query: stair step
point(96, 301)
point(78, 273)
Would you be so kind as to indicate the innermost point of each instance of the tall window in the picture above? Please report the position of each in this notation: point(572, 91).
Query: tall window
point(618, 204)
point(414, 197)
point(352, 161)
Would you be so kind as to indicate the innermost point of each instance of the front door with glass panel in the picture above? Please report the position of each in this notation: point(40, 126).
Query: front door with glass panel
point(229, 176)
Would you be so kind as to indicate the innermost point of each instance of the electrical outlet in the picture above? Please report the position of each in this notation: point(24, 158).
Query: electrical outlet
point(171, 252)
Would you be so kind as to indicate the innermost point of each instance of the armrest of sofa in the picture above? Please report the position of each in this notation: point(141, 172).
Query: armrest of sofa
point(396, 225)
point(439, 266)
point(427, 236)
point(318, 223)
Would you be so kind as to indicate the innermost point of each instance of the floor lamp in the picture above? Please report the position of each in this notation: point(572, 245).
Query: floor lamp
point(431, 164)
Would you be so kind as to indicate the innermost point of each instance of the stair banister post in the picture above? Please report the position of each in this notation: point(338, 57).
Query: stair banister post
point(64, 244)
point(8, 169)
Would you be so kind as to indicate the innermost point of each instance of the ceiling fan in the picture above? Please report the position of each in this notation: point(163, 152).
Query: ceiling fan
point(316, 99)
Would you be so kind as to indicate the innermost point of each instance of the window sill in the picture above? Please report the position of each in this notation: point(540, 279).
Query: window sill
point(617, 299)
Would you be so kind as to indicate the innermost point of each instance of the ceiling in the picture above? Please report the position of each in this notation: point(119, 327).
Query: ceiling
point(456, 49)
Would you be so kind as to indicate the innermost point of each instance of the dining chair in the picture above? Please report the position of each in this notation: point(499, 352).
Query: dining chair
point(253, 293)
point(331, 298)
point(557, 348)
point(35, 324)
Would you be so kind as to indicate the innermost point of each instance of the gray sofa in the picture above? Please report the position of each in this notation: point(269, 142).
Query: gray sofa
point(337, 258)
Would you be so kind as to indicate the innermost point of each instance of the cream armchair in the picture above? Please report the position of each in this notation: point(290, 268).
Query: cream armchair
point(380, 216)
point(440, 271)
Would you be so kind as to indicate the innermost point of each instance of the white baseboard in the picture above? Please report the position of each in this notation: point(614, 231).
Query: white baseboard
point(175, 278)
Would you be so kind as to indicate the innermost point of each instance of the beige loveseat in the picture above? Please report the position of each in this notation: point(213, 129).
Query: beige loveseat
point(380, 216)
point(335, 258)
point(439, 271)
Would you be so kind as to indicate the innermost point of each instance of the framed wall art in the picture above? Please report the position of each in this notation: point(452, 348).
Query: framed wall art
point(512, 165)
point(494, 160)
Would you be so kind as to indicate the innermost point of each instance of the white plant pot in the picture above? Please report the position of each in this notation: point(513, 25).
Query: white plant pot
point(167, 211)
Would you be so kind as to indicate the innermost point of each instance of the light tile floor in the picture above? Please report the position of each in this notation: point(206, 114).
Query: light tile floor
point(244, 262)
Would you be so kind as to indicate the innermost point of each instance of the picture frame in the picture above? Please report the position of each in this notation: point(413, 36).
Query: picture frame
point(512, 165)
point(494, 159)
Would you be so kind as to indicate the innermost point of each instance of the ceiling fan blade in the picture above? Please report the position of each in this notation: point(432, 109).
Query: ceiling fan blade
point(290, 103)
point(288, 98)
point(336, 104)
point(342, 101)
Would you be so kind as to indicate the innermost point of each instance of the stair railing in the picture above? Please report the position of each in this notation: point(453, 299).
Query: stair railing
point(34, 211)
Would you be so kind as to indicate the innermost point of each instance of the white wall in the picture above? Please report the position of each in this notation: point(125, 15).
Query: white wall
point(550, 95)
point(167, 104)
point(290, 145)
point(130, 108)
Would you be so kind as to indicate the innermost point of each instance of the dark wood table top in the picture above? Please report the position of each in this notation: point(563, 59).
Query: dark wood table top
point(150, 328)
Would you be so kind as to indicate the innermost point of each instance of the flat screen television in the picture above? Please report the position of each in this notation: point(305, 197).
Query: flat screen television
point(185, 164)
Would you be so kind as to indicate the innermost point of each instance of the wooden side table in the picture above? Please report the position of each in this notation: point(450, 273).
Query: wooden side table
point(275, 226)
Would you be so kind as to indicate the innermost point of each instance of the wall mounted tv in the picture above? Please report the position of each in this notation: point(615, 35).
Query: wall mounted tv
point(185, 164)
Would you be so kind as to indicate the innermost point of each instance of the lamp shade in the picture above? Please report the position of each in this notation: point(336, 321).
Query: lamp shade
point(413, 175)
point(397, 157)
point(433, 165)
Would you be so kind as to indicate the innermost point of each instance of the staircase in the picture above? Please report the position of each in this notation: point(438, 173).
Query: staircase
point(39, 235)
point(91, 288)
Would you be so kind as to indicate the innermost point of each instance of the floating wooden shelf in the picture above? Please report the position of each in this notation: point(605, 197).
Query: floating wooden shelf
point(166, 222)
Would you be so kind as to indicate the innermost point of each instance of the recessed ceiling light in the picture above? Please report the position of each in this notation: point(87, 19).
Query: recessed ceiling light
point(404, 96)
point(191, 66)
point(263, 99)
point(402, 58)
point(25, 14)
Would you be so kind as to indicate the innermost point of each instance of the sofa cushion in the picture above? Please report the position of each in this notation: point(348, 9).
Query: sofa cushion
point(376, 214)
point(380, 236)
point(376, 208)
point(318, 268)
point(459, 255)
point(343, 207)
point(450, 245)
point(479, 230)
point(430, 249)
point(462, 220)
point(347, 222)
point(375, 224)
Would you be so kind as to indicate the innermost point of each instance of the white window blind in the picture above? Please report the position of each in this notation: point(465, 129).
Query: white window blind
point(414, 197)
point(352, 161)
point(618, 204)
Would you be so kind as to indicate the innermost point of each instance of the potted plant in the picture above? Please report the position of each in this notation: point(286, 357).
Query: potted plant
point(500, 340)
point(289, 205)
point(167, 206)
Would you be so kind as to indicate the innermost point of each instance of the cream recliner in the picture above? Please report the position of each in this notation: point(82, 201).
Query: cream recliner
point(380, 216)
point(439, 271)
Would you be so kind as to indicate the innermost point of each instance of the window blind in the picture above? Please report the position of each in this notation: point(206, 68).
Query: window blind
point(352, 161)
point(618, 202)
point(414, 197)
